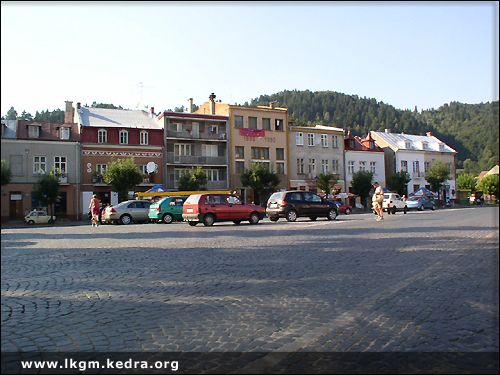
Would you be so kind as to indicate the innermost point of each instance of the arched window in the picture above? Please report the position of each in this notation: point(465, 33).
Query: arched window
point(143, 137)
point(123, 137)
point(102, 136)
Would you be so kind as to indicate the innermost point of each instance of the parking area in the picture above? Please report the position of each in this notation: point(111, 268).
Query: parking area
point(425, 281)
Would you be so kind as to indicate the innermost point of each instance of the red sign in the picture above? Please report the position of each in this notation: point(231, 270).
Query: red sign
point(252, 132)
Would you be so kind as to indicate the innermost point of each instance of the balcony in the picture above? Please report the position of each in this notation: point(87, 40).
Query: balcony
point(206, 135)
point(193, 160)
point(211, 185)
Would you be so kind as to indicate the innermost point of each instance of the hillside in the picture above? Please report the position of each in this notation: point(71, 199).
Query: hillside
point(471, 129)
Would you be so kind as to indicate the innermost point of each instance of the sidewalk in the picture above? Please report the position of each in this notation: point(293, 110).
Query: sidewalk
point(11, 224)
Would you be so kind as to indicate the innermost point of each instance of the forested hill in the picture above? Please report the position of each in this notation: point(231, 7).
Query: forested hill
point(471, 129)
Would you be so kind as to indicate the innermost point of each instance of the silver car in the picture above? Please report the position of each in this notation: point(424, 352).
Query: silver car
point(127, 212)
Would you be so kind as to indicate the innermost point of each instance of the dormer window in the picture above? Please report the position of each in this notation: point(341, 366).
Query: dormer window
point(372, 145)
point(352, 143)
point(441, 147)
point(64, 133)
point(33, 131)
point(407, 144)
point(425, 145)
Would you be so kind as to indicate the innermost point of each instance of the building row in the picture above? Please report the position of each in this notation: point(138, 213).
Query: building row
point(221, 138)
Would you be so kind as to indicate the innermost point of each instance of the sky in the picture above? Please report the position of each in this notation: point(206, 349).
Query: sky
point(405, 54)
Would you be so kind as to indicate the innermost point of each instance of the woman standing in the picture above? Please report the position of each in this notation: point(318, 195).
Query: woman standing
point(95, 209)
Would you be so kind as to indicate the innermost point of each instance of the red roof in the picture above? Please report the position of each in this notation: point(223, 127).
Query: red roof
point(358, 144)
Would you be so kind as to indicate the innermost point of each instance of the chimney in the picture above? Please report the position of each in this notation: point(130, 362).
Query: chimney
point(387, 131)
point(429, 134)
point(152, 112)
point(69, 113)
point(212, 103)
point(78, 105)
point(272, 105)
point(190, 105)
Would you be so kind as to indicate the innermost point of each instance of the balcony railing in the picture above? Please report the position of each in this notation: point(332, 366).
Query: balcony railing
point(211, 160)
point(199, 135)
point(211, 185)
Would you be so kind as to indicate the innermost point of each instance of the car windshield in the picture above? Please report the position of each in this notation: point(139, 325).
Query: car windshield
point(275, 197)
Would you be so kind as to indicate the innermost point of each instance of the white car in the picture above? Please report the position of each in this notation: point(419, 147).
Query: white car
point(39, 217)
point(394, 203)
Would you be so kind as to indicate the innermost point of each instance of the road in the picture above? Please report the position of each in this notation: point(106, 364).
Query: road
point(425, 281)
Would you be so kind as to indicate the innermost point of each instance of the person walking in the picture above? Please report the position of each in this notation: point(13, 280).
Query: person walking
point(377, 200)
point(95, 210)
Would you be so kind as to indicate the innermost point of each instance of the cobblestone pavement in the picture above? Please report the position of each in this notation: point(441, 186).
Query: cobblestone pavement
point(425, 281)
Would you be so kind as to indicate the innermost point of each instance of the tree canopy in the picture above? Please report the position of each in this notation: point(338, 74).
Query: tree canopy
point(489, 185)
point(326, 181)
point(123, 175)
point(46, 190)
point(398, 182)
point(261, 180)
point(466, 181)
point(193, 180)
point(437, 174)
point(6, 173)
point(361, 183)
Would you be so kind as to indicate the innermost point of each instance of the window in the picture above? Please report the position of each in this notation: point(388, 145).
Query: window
point(252, 122)
point(425, 145)
point(450, 169)
point(310, 139)
point(214, 129)
point(64, 133)
point(324, 166)
point(239, 152)
point(372, 166)
point(280, 154)
point(299, 139)
point(312, 166)
point(239, 167)
point(178, 127)
point(335, 141)
point(441, 147)
point(209, 150)
point(178, 172)
point(238, 122)
point(102, 136)
point(335, 166)
point(39, 165)
point(404, 166)
point(123, 137)
point(266, 164)
point(427, 165)
point(101, 168)
point(324, 140)
point(350, 166)
point(266, 123)
point(416, 168)
point(212, 174)
point(372, 145)
point(143, 136)
point(60, 164)
point(33, 131)
point(278, 125)
point(300, 166)
point(362, 165)
point(261, 153)
point(280, 168)
point(407, 144)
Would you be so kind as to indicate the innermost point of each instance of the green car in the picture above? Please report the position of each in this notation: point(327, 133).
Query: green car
point(167, 210)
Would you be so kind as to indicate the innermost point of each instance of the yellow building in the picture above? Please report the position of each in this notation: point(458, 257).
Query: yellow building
point(256, 135)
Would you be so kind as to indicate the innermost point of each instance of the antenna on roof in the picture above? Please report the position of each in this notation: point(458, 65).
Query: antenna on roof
point(140, 104)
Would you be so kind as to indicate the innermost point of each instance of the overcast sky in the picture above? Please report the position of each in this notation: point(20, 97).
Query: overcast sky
point(404, 54)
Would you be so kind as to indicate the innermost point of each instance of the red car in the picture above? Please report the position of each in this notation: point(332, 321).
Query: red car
point(211, 208)
point(343, 208)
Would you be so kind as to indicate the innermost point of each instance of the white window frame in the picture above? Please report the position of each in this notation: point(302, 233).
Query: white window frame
point(101, 168)
point(64, 133)
point(183, 149)
point(310, 139)
point(209, 150)
point(212, 174)
point(335, 166)
point(362, 165)
point(280, 167)
point(300, 166)
point(33, 131)
point(123, 134)
point(61, 164)
point(335, 141)
point(325, 165)
point(404, 166)
point(299, 139)
point(312, 166)
point(373, 166)
point(324, 140)
point(350, 167)
point(37, 165)
point(102, 136)
point(144, 137)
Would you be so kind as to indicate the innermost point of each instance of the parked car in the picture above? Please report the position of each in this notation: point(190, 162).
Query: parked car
point(39, 217)
point(211, 208)
point(343, 208)
point(394, 203)
point(420, 203)
point(294, 204)
point(167, 210)
point(127, 212)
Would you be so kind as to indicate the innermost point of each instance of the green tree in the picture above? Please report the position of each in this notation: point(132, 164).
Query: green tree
point(398, 182)
point(123, 175)
point(193, 180)
point(11, 114)
point(489, 185)
point(105, 105)
point(26, 116)
point(362, 182)
point(261, 180)
point(325, 182)
point(437, 174)
point(6, 173)
point(466, 181)
point(46, 191)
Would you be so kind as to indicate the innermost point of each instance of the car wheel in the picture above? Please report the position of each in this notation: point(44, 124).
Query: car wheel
point(421, 208)
point(433, 207)
point(291, 215)
point(405, 210)
point(347, 211)
point(51, 221)
point(125, 219)
point(394, 210)
point(272, 218)
point(254, 218)
point(237, 222)
point(332, 214)
point(31, 222)
point(192, 223)
point(313, 218)
point(208, 220)
point(167, 218)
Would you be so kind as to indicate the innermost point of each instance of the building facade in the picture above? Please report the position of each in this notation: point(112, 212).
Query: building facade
point(315, 150)
point(256, 135)
point(107, 134)
point(416, 154)
point(196, 140)
point(32, 149)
